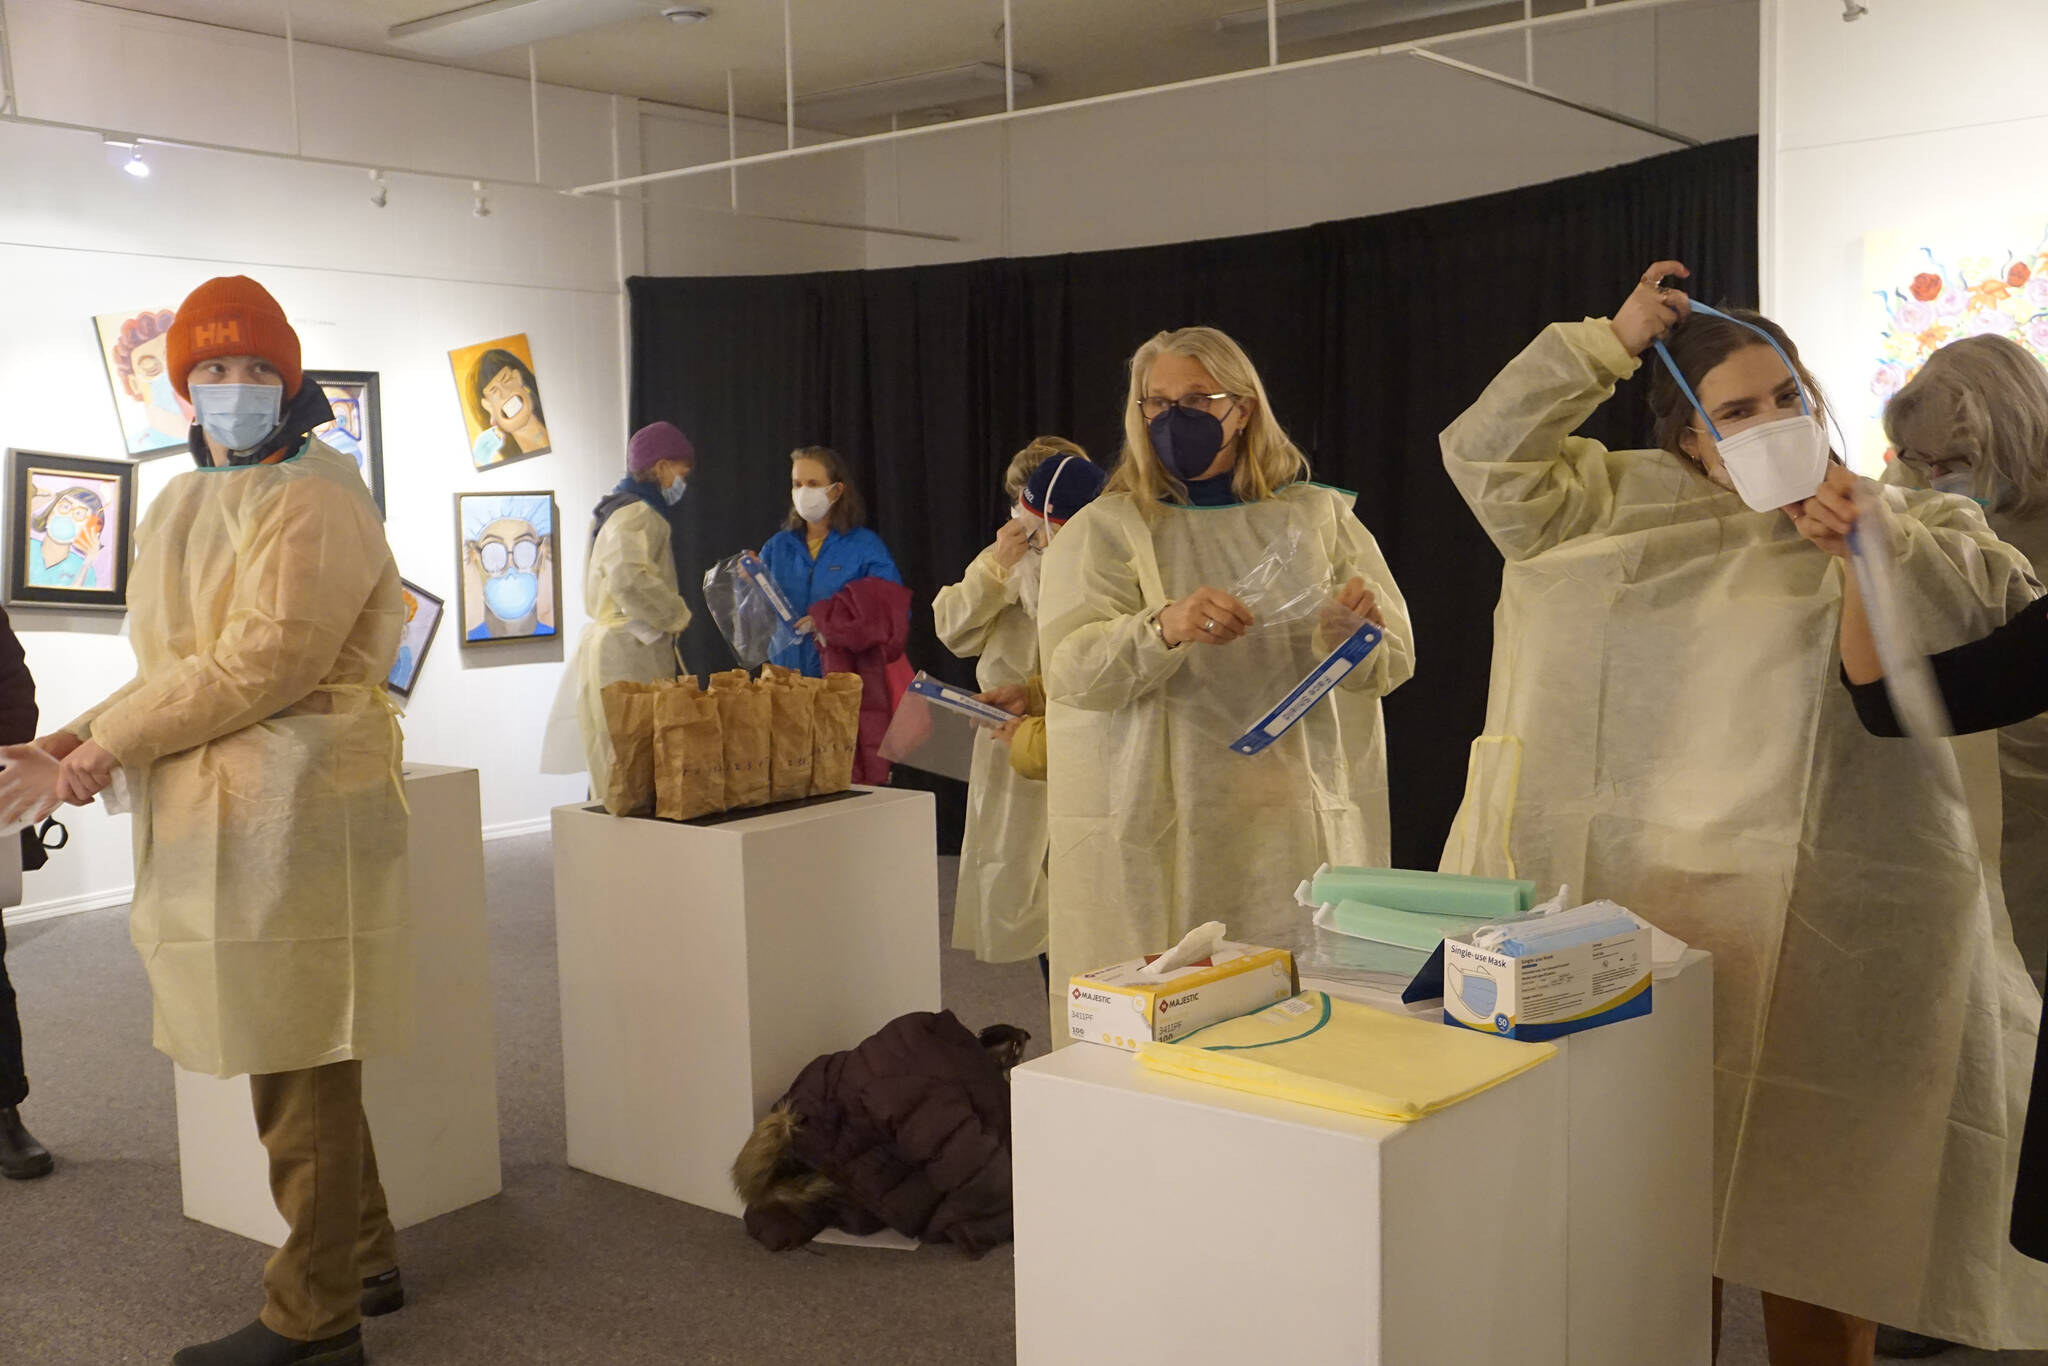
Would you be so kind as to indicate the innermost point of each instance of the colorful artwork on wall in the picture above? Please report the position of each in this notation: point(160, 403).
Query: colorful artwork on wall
point(501, 403)
point(154, 420)
point(509, 560)
point(71, 523)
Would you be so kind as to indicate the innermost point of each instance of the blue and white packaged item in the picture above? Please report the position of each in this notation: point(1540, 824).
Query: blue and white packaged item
point(1541, 976)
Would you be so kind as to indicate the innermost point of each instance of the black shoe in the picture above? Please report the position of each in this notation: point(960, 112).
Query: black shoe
point(256, 1345)
point(1900, 1345)
point(383, 1294)
point(21, 1157)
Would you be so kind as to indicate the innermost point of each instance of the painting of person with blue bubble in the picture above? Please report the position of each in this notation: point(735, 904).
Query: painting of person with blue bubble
point(70, 522)
point(501, 402)
point(511, 589)
point(154, 420)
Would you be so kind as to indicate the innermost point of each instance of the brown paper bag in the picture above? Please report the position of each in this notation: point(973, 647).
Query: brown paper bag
point(795, 709)
point(835, 734)
point(731, 678)
point(629, 716)
point(775, 673)
point(690, 753)
point(746, 712)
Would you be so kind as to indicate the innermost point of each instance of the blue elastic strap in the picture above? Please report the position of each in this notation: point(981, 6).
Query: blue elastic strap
point(1686, 389)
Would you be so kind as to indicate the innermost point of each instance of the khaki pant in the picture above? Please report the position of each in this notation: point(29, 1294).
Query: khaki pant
point(1801, 1334)
point(323, 1175)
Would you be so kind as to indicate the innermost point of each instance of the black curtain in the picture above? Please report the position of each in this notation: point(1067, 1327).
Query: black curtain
point(1371, 336)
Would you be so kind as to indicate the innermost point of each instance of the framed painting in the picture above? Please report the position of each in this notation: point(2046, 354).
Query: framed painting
point(422, 619)
point(1927, 288)
point(154, 420)
point(71, 526)
point(508, 562)
point(501, 403)
point(358, 426)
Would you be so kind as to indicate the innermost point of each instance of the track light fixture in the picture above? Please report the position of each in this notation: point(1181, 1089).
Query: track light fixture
point(483, 200)
point(380, 193)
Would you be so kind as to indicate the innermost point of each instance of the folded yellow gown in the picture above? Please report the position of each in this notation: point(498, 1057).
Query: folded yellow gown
point(1340, 1056)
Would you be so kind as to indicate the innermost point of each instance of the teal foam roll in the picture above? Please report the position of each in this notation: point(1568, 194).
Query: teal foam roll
point(1403, 929)
point(1445, 894)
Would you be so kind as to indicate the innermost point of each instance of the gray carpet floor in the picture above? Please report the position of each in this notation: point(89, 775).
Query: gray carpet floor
point(98, 1266)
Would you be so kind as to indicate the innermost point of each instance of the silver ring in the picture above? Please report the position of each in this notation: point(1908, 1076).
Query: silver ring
point(1209, 627)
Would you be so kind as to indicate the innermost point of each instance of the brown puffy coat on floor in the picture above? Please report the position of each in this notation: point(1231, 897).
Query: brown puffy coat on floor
point(908, 1131)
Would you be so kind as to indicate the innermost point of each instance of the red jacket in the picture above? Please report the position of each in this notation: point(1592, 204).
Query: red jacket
point(862, 630)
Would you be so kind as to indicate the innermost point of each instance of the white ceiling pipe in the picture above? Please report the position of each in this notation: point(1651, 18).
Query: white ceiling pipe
point(1539, 23)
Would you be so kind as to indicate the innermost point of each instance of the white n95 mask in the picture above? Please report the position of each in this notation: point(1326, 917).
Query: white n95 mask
point(1773, 463)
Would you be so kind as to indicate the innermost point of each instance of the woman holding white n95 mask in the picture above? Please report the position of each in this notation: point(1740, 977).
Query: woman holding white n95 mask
point(1151, 656)
point(1663, 729)
point(992, 615)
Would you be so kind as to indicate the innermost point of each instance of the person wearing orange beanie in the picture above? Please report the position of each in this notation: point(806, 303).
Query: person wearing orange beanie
point(262, 756)
point(234, 356)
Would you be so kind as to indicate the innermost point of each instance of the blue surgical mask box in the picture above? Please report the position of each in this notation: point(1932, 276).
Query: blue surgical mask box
point(1547, 994)
point(1124, 1006)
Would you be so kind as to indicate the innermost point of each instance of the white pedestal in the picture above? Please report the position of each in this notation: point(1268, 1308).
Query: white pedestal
point(1560, 1219)
point(433, 1112)
point(704, 966)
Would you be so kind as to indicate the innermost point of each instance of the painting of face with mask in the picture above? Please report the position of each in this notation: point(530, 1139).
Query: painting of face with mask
point(358, 426)
point(511, 587)
point(71, 521)
point(501, 401)
point(154, 420)
point(422, 619)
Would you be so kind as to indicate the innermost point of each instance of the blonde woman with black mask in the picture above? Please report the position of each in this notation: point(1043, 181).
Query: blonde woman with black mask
point(1150, 657)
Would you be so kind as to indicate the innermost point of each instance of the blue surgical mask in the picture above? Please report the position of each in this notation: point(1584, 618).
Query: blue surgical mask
point(163, 396)
point(511, 596)
point(1959, 483)
point(1186, 440)
point(673, 493)
point(62, 530)
point(238, 415)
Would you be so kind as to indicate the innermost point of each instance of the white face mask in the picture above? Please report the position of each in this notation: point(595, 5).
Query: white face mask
point(811, 504)
point(1778, 462)
point(1773, 463)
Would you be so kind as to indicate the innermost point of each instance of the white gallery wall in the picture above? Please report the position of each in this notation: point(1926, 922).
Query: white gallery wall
point(1342, 140)
point(1886, 124)
point(389, 290)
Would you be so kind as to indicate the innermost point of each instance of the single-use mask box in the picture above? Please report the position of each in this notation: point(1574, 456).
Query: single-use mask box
point(1124, 1006)
point(1538, 991)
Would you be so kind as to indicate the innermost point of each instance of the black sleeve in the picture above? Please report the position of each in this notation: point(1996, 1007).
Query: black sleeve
point(2000, 680)
point(17, 690)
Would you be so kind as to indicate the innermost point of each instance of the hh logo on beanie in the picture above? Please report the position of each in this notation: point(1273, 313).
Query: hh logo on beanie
point(224, 332)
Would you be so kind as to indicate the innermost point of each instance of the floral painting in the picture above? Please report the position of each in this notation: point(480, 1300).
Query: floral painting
point(1927, 290)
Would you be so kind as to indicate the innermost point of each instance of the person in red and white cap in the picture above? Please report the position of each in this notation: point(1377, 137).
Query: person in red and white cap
point(262, 757)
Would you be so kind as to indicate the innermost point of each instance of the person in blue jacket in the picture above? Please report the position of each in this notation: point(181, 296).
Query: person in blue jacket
point(824, 547)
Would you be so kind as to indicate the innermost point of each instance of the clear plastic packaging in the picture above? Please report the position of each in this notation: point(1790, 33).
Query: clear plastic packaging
point(1302, 643)
point(936, 727)
point(751, 613)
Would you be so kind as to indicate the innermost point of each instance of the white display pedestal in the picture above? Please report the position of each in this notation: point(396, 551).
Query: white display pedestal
point(1560, 1219)
point(434, 1111)
point(704, 966)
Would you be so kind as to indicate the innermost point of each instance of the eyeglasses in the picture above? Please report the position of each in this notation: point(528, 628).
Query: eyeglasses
point(496, 556)
point(1931, 468)
point(1194, 403)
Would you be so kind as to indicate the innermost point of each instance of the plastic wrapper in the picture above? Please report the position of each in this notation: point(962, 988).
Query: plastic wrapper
point(751, 613)
point(935, 728)
point(1257, 688)
point(1324, 955)
point(793, 711)
point(689, 744)
point(629, 717)
point(835, 735)
point(746, 715)
point(1908, 677)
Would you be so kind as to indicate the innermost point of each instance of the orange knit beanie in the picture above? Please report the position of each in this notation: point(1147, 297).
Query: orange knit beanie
point(232, 316)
